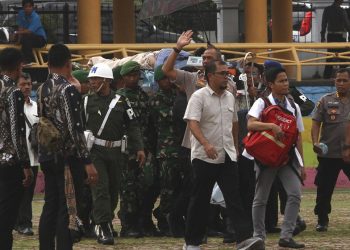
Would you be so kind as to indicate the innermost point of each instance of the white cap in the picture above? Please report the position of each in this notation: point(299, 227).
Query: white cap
point(101, 70)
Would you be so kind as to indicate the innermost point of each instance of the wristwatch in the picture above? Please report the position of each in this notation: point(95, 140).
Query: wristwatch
point(177, 50)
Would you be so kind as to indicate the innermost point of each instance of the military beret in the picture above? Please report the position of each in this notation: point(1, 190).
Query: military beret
point(116, 73)
point(129, 67)
point(81, 75)
point(158, 73)
point(268, 64)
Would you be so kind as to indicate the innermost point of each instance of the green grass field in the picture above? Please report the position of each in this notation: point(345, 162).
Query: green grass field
point(337, 236)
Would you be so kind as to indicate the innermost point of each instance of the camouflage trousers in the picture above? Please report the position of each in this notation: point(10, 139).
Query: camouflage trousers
point(134, 182)
point(171, 179)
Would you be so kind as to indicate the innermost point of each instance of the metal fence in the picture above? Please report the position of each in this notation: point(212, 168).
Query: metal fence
point(60, 22)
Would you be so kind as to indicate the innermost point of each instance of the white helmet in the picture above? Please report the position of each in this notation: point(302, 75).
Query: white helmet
point(101, 70)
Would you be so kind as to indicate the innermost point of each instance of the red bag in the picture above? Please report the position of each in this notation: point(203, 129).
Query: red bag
point(263, 146)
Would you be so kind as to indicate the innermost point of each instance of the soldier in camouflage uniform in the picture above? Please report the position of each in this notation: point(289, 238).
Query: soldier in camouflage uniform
point(166, 148)
point(132, 182)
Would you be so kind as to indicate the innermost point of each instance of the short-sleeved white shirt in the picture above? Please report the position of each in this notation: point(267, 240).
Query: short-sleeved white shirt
point(259, 106)
point(31, 112)
point(189, 80)
point(215, 115)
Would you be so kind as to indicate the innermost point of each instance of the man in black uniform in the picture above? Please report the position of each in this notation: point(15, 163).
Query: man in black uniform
point(13, 147)
point(59, 102)
point(336, 22)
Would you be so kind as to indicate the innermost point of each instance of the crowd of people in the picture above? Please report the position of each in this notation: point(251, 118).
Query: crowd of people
point(101, 140)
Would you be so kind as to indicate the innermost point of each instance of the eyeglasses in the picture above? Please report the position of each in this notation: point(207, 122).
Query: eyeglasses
point(222, 73)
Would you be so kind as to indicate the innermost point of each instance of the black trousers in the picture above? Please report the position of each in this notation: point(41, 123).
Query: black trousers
point(82, 190)
point(182, 201)
point(204, 177)
point(246, 184)
point(327, 73)
point(54, 217)
point(11, 191)
point(28, 42)
point(25, 213)
point(327, 174)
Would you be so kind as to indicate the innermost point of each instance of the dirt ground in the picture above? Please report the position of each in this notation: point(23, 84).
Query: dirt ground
point(337, 236)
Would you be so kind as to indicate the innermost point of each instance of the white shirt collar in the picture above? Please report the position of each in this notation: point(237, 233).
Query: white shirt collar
point(289, 106)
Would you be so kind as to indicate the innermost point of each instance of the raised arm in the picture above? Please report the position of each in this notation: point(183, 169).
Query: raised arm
point(168, 67)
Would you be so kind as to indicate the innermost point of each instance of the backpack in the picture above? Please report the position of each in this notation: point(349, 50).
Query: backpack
point(48, 136)
point(263, 146)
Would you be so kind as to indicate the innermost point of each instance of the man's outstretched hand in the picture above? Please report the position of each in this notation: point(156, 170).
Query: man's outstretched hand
point(184, 39)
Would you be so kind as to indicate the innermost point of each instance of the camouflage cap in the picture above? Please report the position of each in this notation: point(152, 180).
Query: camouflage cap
point(129, 67)
point(81, 75)
point(158, 73)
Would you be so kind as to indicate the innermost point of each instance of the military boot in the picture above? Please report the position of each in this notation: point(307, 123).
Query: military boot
point(176, 225)
point(162, 223)
point(104, 234)
point(229, 234)
point(130, 227)
point(148, 228)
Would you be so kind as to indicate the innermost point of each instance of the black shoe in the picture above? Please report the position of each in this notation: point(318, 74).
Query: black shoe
point(130, 233)
point(229, 238)
point(89, 232)
point(104, 234)
point(28, 231)
point(176, 226)
point(150, 230)
point(322, 223)
point(273, 230)
point(204, 239)
point(322, 227)
point(299, 227)
point(290, 243)
point(162, 223)
point(214, 233)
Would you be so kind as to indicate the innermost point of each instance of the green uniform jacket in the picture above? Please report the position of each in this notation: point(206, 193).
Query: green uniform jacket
point(121, 121)
point(139, 102)
point(162, 118)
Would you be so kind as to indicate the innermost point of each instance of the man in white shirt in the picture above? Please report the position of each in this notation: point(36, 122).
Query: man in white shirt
point(24, 220)
point(288, 174)
point(190, 82)
point(212, 120)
